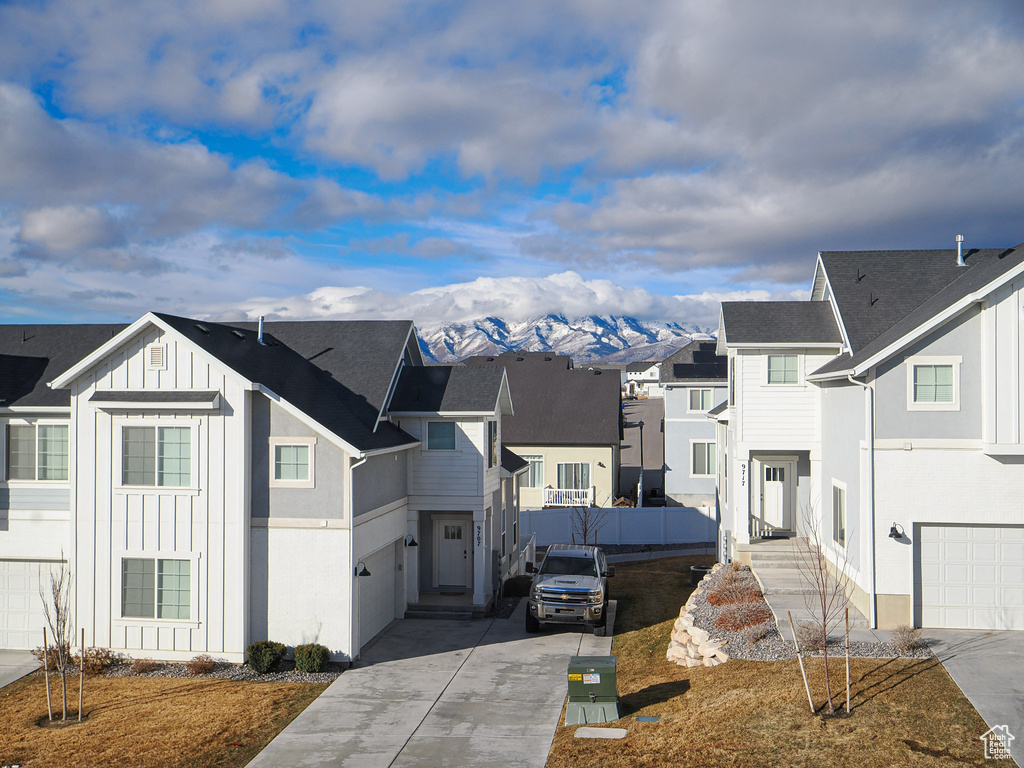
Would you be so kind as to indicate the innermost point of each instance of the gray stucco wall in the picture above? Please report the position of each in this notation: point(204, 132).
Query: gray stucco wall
point(326, 500)
point(842, 429)
point(960, 337)
point(680, 488)
point(381, 480)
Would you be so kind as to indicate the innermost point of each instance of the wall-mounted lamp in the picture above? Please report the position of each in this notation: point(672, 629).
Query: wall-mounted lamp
point(896, 532)
point(410, 541)
point(363, 572)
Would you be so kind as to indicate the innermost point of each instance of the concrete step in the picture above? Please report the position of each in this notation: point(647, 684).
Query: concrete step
point(448, 612)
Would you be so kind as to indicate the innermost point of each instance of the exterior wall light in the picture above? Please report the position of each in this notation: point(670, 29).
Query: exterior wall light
point(896, 532)
point(363, 572)
point(410, 541)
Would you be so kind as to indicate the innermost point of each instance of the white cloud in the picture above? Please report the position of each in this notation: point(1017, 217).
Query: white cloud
point(69, 228)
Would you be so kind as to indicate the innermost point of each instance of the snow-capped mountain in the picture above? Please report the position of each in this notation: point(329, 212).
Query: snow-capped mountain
point(585, 339)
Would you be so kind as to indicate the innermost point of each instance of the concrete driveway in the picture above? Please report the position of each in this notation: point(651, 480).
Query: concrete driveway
point(440, 693)
point(14, 665)
point(989, 668)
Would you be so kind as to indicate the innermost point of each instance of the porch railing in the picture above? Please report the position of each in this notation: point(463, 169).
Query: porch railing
point(568, 497)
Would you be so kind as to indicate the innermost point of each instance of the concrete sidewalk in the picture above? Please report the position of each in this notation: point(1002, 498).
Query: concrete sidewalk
point(14, 665)
point(441, 693)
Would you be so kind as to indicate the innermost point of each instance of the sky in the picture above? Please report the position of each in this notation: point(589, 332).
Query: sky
point(446, 161)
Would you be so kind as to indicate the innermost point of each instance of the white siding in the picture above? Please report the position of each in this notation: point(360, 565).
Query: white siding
point(1003, 355)
point(780, 415)
point(448, 473)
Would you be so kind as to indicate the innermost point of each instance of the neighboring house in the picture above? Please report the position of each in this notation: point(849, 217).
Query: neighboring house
point(213, 484)
point(641, 379)
point(888, 409)
point(694, 380)
point(566, 425)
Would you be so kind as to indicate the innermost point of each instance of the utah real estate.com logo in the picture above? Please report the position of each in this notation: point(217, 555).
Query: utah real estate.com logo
point(997, 742)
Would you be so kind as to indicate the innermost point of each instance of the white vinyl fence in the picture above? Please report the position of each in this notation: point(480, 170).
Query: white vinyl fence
point(625, 525)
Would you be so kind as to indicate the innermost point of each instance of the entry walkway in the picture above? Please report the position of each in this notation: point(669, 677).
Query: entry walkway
point(441, 693)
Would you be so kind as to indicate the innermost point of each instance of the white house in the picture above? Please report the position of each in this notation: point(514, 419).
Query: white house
point(212, 484)
point(642, 379)
point(888, 408)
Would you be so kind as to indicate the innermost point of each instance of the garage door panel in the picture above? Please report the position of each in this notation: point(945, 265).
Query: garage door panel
point(21, 609)
point(970, 577)
point(377, 593)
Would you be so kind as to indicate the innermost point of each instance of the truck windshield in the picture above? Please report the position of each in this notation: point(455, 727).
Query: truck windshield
point(569, 566)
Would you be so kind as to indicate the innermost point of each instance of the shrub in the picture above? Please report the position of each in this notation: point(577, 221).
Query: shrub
point(202, 664)
point(52, 657)
point(755, 634)
point(263, 655)
point(739, 592)
point(143, 666)
point(98, 660)
point(311, 657)
point(742, 616)
point(809, 636)
point(906, 638)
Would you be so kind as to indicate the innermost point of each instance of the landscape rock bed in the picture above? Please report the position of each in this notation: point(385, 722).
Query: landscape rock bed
point(286, 672)
point(771, 646)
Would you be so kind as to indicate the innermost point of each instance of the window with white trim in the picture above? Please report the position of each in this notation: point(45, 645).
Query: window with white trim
point(700, 400)
point(839, 514)
point(156, 588)
point(574, 476)
point(37, 452)
point(440, 435)
point(492, 444)
point(534, 477)
point(783, 369)
point(933, 383)
point(156, 456)
point(292, 461)
point(702, 458)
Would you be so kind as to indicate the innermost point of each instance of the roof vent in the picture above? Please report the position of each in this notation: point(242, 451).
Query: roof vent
point(960, 251)
point(238, 333)
point(202, 328)
point(259, 338)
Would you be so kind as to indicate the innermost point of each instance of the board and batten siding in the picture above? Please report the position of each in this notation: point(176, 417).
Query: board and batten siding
point(1003, 356)
point(206, 523)
point(778, 415)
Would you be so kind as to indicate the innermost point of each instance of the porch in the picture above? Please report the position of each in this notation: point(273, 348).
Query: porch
point(569, 497)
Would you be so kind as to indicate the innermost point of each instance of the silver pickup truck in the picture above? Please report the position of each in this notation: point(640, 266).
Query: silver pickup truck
point(570, 587)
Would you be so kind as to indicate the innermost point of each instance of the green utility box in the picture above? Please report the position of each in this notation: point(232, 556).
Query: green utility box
point(592, 694)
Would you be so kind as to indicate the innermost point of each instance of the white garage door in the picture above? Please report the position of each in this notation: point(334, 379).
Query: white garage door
point(377, 593)
point(21, 609)
point(971, 577)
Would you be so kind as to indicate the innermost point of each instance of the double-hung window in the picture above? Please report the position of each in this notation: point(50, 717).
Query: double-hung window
point(702, 455)
point(535, 475)
point(839, 515)
point(440, 435)
point(700, 400)
point(37, 452)
point(156, 588)
point(156, 456)
point(783, 369)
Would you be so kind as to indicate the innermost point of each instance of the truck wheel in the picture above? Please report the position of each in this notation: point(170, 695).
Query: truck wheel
point(600, 630)
point(532, 625)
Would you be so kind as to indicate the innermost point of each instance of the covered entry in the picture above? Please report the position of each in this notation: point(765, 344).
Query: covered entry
point(773, 502)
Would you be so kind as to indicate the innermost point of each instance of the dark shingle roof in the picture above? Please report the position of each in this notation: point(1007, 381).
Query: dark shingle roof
point(719, 409)
point(983, 267)
point(153, 396)
point(875, 289)
point(641, 366)
point(316, 376)
point(780, 322)
point(696, 361)
point(505, 358)
point(451, 389)
point(512, 462)
point(31, 355)
point(558, 406)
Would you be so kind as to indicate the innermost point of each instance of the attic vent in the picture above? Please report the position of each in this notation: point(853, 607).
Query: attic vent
point(238, 333)
point(202, 328)
point(519, 359)
point(156, 357)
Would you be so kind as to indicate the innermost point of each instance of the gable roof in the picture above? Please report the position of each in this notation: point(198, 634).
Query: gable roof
point(32, 355)
point(697, 361)
point(449, 389)
point(642, 366)
point(985, 270)
point(767, 323)
point(512, 462)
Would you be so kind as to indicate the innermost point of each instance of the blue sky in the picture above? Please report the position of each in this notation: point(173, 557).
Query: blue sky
point(445, 161)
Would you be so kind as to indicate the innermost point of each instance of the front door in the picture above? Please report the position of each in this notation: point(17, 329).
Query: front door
point(451, 556)
point(776, 494)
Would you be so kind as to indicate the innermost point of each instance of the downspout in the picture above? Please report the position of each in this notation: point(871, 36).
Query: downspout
point(353, 603)
point(869, 435)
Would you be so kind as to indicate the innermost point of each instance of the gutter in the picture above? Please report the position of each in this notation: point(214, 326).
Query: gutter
point(354, 591)
point(869, 435)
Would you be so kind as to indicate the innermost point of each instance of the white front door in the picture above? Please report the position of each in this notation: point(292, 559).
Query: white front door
point(776, 494)
point(451, 555)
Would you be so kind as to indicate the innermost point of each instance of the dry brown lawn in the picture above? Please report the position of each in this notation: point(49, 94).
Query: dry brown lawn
point(148, 722)
point(905, 712)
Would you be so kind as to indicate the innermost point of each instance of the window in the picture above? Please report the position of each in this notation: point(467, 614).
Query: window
point(702, 458)
point(291, 462)
point(782, 369)
point(700, 400)
point(156, 456)
point(574, 476)
point(535, 476)
point(440, 435)
point(839, 515)
point(933, 383)
point(732, 381)
point(153, 588)
point(492, 443)
point(37, 452)
point(504, 512)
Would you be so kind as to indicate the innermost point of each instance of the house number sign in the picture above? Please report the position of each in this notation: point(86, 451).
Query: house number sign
point(479, 534)
point(743, 474)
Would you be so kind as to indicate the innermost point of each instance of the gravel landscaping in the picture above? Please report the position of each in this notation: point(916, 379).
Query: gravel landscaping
point(286, 672)
point(771, 646)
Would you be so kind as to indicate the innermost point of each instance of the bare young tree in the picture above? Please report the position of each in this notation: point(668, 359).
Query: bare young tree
point(587, 522)
point(56, 597)
point(827, 599)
